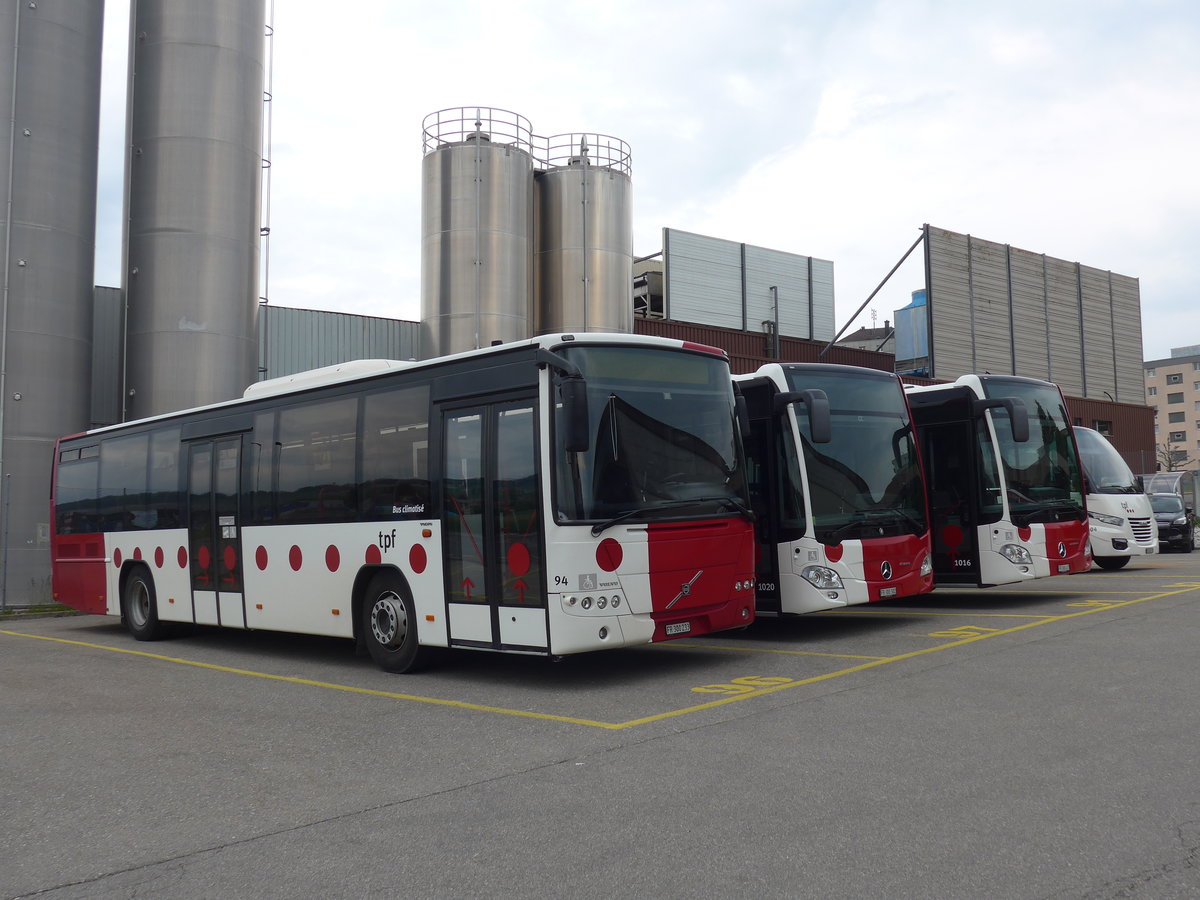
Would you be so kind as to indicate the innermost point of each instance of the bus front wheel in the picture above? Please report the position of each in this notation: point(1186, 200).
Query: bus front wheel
point(139, 607)
point(389, 625)
point(1111, 563)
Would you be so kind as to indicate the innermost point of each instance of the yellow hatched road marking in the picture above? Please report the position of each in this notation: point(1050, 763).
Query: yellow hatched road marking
point(631, 723)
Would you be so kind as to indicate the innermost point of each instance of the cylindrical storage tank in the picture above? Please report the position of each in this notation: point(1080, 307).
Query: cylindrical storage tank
point(193, 225)
point(48, 151)
point(476, 230)
point(585, 242)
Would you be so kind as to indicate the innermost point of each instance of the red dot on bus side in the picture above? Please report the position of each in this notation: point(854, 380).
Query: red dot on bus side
point(374, 557)
point(117, 558)
point(296, 558)
point(230, 558)
point(260, 558)
point(417, 560)
point(1024, 532)
point(833, 552)
point(182, 557)
point(952, 536)
point(159, 557)
point(203, 557)
point(608, 555)
point(518, 559)
point(137, 553)
point(333, 559)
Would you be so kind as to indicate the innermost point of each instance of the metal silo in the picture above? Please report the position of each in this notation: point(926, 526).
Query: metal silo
point(191, 276)
point(476, 230)
point(50, 84)
point(585, 243)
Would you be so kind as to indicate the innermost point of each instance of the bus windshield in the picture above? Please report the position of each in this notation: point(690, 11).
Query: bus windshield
point(866, 482)
point(1042, 475)
point(1106, 471)
point(663, 437)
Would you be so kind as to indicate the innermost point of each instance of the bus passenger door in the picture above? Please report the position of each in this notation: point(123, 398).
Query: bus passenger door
point(214, 532)
point(947, 450)
point(490, 517)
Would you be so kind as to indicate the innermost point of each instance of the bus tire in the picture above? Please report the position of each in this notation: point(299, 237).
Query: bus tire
point(1111, 563)
point(139, 606)
point(389, 625)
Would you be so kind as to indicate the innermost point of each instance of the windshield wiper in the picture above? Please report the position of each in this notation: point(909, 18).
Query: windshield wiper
point(876, 518)
point(736, 504)
point(1048, 511)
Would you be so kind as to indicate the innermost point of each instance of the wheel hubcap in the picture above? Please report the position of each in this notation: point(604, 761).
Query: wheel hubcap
point(389, 623)
point(139, 609)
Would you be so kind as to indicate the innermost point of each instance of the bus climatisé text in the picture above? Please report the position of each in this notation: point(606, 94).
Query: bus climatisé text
point(1004, 479)
point(837, 488)
point(551, 496)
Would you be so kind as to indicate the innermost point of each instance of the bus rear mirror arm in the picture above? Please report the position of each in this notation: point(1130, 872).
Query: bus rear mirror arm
point(742, 411)
point(1018, 415)
point(817, 402)
point(574, 397)
point(575, 414)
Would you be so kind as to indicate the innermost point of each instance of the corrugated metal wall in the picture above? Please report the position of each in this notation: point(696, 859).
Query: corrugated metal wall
point(728, 285)
point(1034, 315)
point(295, 340)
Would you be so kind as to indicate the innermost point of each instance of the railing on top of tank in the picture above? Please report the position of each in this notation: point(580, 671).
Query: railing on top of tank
point(503, 127)
point(580, 148)
point(462, 123)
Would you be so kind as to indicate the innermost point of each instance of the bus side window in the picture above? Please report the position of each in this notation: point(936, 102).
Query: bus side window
point(317, 461)
point(395, 476)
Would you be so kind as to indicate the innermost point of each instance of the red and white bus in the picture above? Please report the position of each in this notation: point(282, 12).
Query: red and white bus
point(551, 496)
point(837, 488)
point(1005, 483)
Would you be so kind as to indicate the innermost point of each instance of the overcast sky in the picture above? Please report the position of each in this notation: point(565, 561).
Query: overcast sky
point(829, 128)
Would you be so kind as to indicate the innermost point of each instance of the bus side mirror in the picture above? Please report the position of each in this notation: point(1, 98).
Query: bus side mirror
point(742, 411)
point(817, 402)
point(575, 414)
point(1139, 483)
point(1018, 416)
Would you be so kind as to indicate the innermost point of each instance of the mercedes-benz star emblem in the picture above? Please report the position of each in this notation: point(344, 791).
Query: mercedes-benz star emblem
point(886, 570)
point(1062, 549)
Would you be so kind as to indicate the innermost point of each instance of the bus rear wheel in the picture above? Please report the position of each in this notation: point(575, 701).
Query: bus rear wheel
point(1111, 563)
point(389, 625)
point(139, 607)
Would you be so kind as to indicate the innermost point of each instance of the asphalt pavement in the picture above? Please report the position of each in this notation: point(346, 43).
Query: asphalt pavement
point(1037, 742)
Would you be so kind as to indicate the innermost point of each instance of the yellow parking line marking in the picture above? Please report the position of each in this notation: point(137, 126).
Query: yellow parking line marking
point(681, 645)
point(922, 612)
point(345, 688)
point(631, 723)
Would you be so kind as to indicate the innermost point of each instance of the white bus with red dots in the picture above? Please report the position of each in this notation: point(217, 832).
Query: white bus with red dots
point(837, 488)
point(1005, 484)
point(562, 494)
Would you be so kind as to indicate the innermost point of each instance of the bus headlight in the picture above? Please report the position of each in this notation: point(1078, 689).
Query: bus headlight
point(822, 577)
point(1016, 554)
point(926, 565)
point(1115, 521)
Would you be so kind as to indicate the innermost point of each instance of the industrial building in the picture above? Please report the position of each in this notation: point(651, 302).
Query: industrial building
point(521, 235)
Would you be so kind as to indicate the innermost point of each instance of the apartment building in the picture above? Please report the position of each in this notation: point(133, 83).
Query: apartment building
point(1173, 389)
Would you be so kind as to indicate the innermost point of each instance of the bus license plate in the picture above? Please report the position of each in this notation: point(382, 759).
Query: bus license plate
point(679, 627)
point(1064, 568)
point(887, 592)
